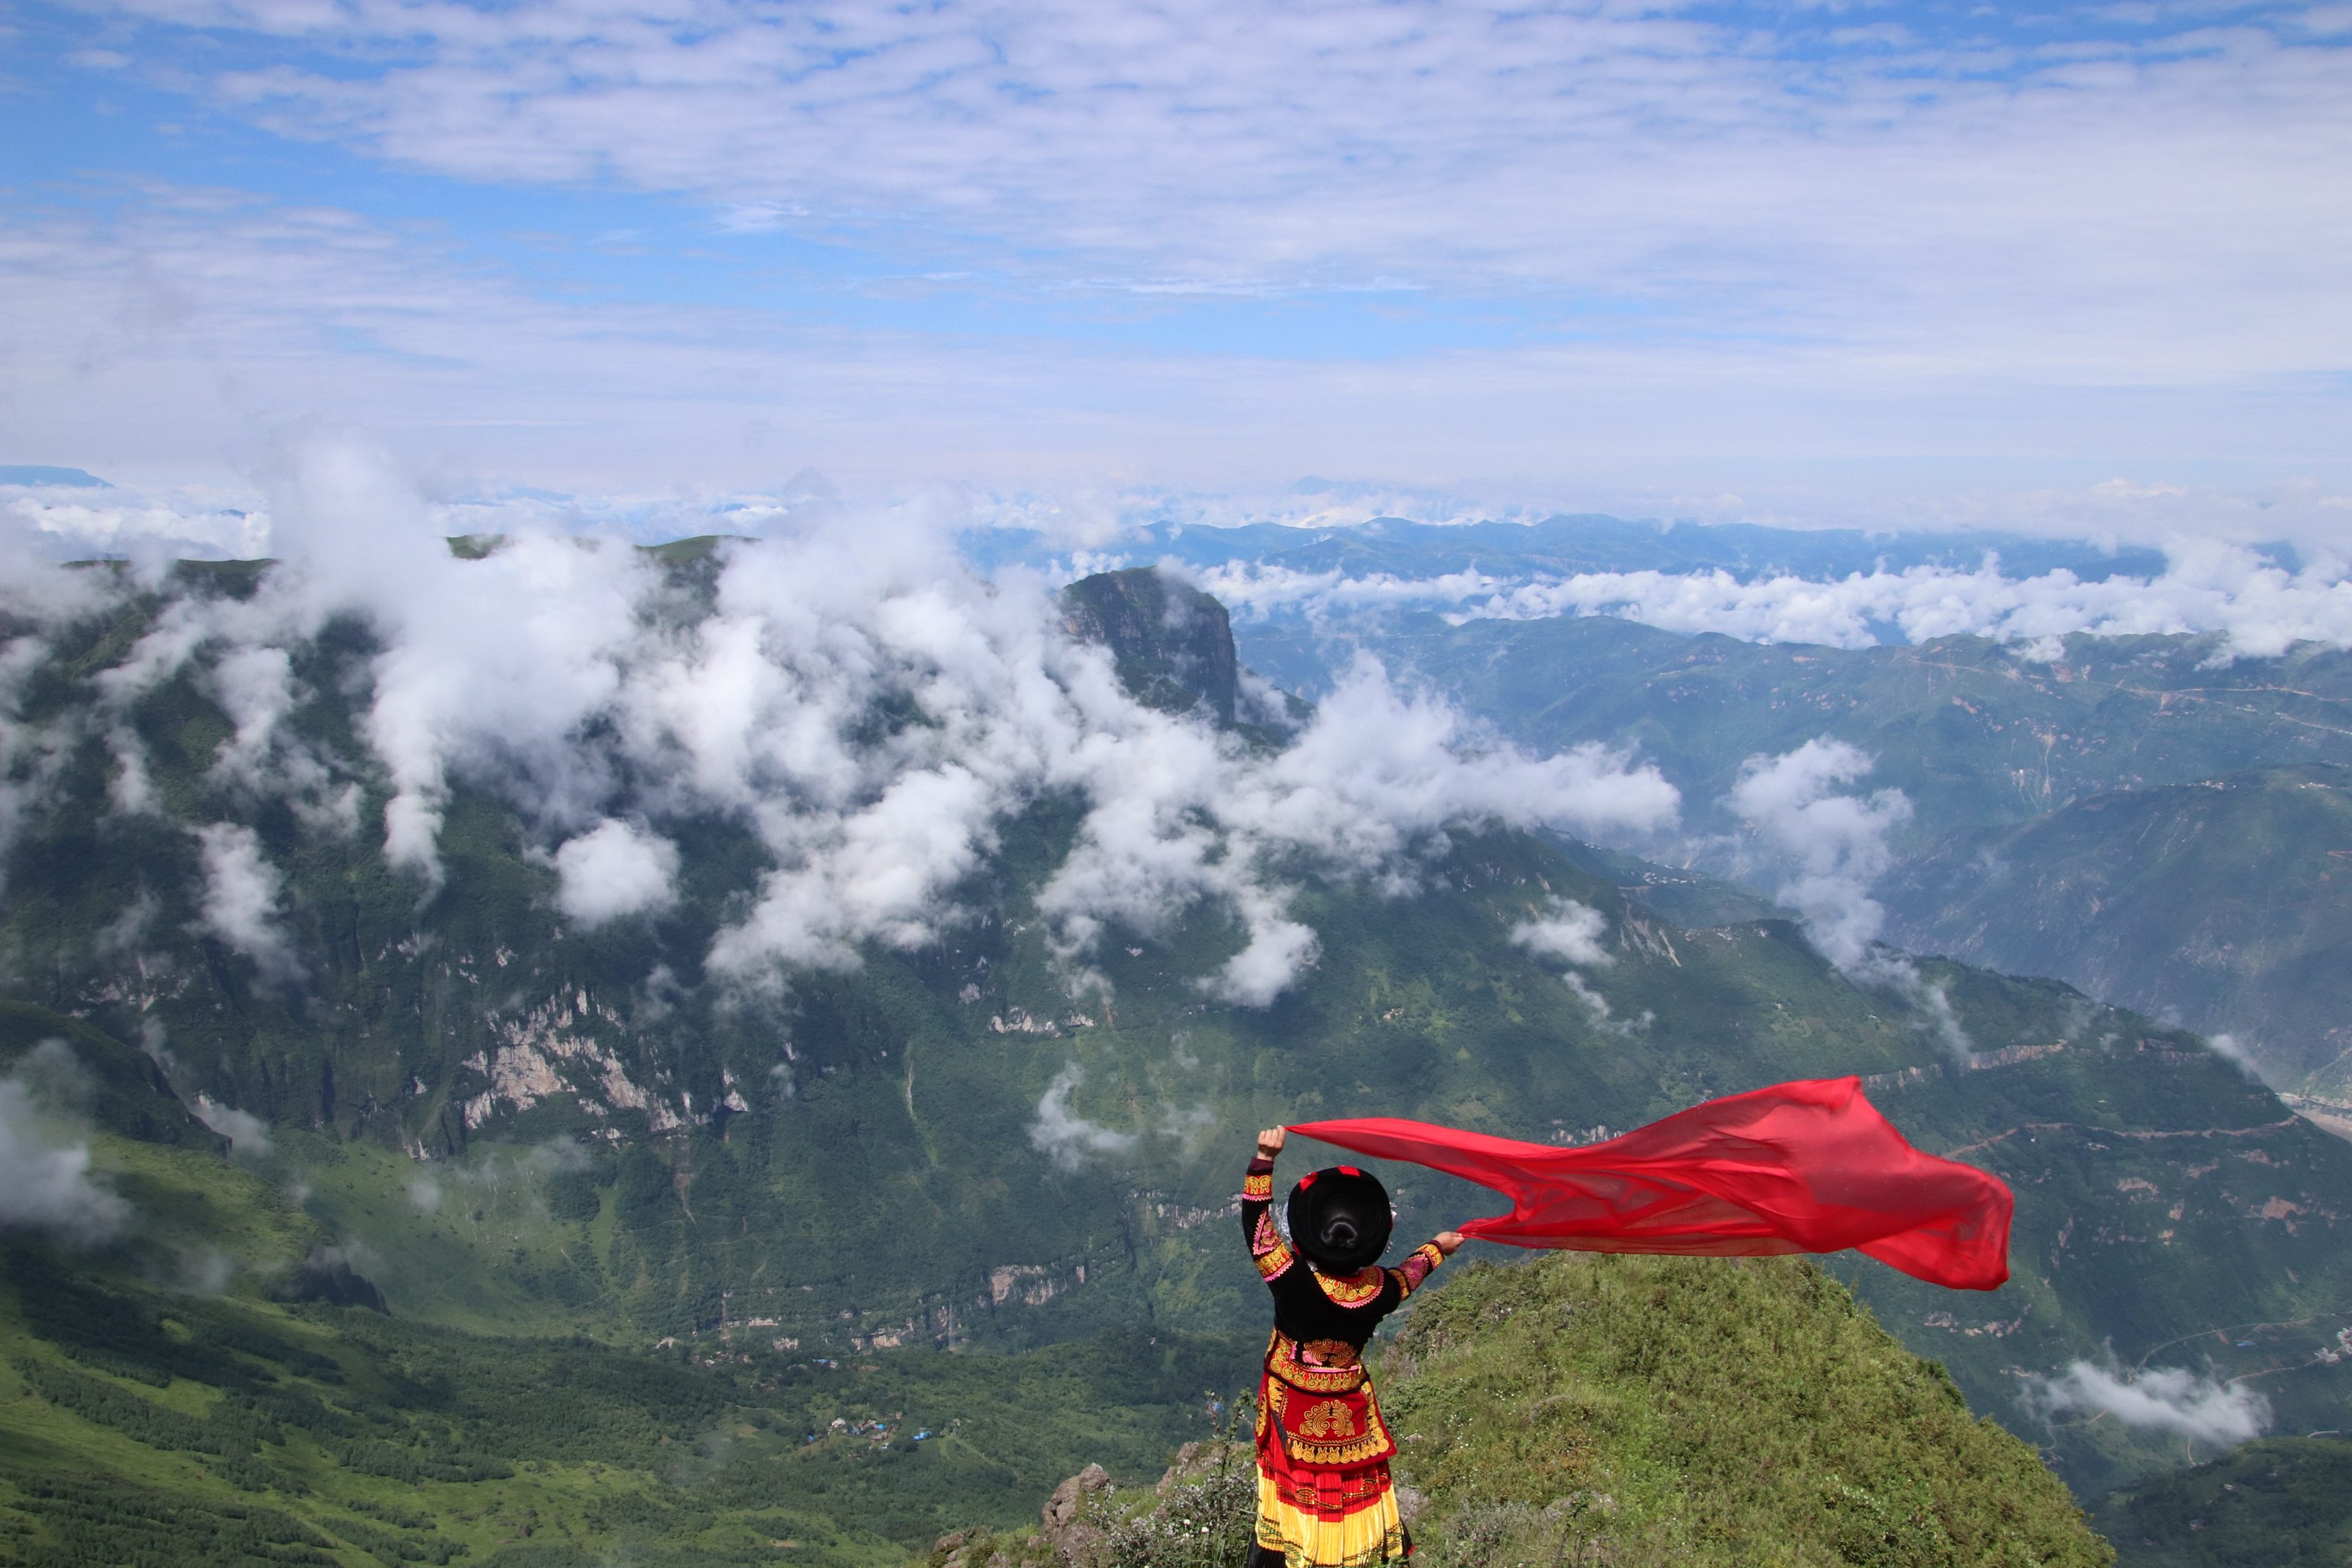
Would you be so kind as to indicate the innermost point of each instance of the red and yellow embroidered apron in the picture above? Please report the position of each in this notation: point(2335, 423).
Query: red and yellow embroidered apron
point(1324, 1494)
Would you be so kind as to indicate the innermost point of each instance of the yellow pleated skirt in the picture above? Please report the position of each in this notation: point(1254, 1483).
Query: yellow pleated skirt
point(1370, 1533)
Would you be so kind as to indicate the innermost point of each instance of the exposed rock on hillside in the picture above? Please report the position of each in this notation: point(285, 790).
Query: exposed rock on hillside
point(1173, 643)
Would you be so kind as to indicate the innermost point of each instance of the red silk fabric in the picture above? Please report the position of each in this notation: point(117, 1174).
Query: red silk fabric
point(1809, 1166)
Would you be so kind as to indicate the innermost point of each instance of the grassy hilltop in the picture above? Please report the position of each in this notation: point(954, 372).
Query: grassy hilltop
point(1711, 1412)
point(1643, 1411)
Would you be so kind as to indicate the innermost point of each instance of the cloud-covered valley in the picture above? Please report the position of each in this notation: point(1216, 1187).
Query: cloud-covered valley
point(867, 709)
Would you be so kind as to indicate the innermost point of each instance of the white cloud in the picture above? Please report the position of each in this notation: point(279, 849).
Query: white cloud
point(2209, 586)
point(2165, 1399)
point(1602, 1014)
point(1941, 254)
point(615, 869)
point(1064, 1136)
point(240, 903)
point(148, 529)
point(1767, 174)
point(494, 1177)
point(131, 790)
point(1569, 929)
point(1577, 934)
point(1249, 587)
point(2233, 1051)
point(1373, 780)
point(1830, 847)
point(45, 1168)
point(248, 1134)
point(1279, 951)
point(254, 687)
point(849, 694)
point(1932, 1002)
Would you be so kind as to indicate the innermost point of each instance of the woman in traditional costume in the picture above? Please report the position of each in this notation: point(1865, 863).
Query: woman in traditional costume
point(1807, 1166)
point(1324, 1497)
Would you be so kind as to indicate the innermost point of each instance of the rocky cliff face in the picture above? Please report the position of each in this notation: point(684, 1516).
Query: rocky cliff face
point(1173, 643)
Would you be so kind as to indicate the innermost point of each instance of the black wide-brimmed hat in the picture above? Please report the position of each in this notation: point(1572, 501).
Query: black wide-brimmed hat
point(1340, 1219)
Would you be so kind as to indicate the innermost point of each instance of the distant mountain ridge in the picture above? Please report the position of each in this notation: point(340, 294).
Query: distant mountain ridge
point(2134, 815)
point(1571, 544)
point(2226, 903)
point(41, 474)
point(1975, 732)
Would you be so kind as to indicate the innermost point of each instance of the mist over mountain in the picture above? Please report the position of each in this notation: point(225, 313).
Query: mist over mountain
point(1977, 738)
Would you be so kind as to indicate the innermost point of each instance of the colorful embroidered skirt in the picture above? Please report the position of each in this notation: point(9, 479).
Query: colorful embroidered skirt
point(1324, 1497)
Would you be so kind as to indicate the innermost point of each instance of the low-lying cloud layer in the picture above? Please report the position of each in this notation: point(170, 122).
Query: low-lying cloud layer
point(45, 1161)
point(866, 708)
point(1829, 845)
point(2260, 606)
point(2195, 1405)
point(1064, 1137)
point(2210, 585)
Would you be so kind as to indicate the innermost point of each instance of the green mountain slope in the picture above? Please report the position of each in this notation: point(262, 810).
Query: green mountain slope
point(2285, 1502)
point(2083, 817)
point(1702, 1412)
point(2225, 903)
point(145, 1418)
point(1423, 1005)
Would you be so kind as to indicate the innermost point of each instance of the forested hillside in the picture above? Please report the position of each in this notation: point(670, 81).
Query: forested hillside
point(2083, 808)
point(2225, 903)
point(2283, 1502)
point(152, 1417)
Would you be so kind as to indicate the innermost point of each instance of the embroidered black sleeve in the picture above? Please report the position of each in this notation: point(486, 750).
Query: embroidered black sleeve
point(1267, 1249)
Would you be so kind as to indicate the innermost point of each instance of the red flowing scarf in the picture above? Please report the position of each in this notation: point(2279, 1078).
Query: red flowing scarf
point(1798, 1167)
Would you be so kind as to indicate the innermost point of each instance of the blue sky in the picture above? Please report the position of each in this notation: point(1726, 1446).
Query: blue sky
point(1825, 262)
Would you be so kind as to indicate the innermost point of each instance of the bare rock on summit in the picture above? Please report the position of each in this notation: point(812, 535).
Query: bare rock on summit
point(1064, 1515)
point(1173, 644)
